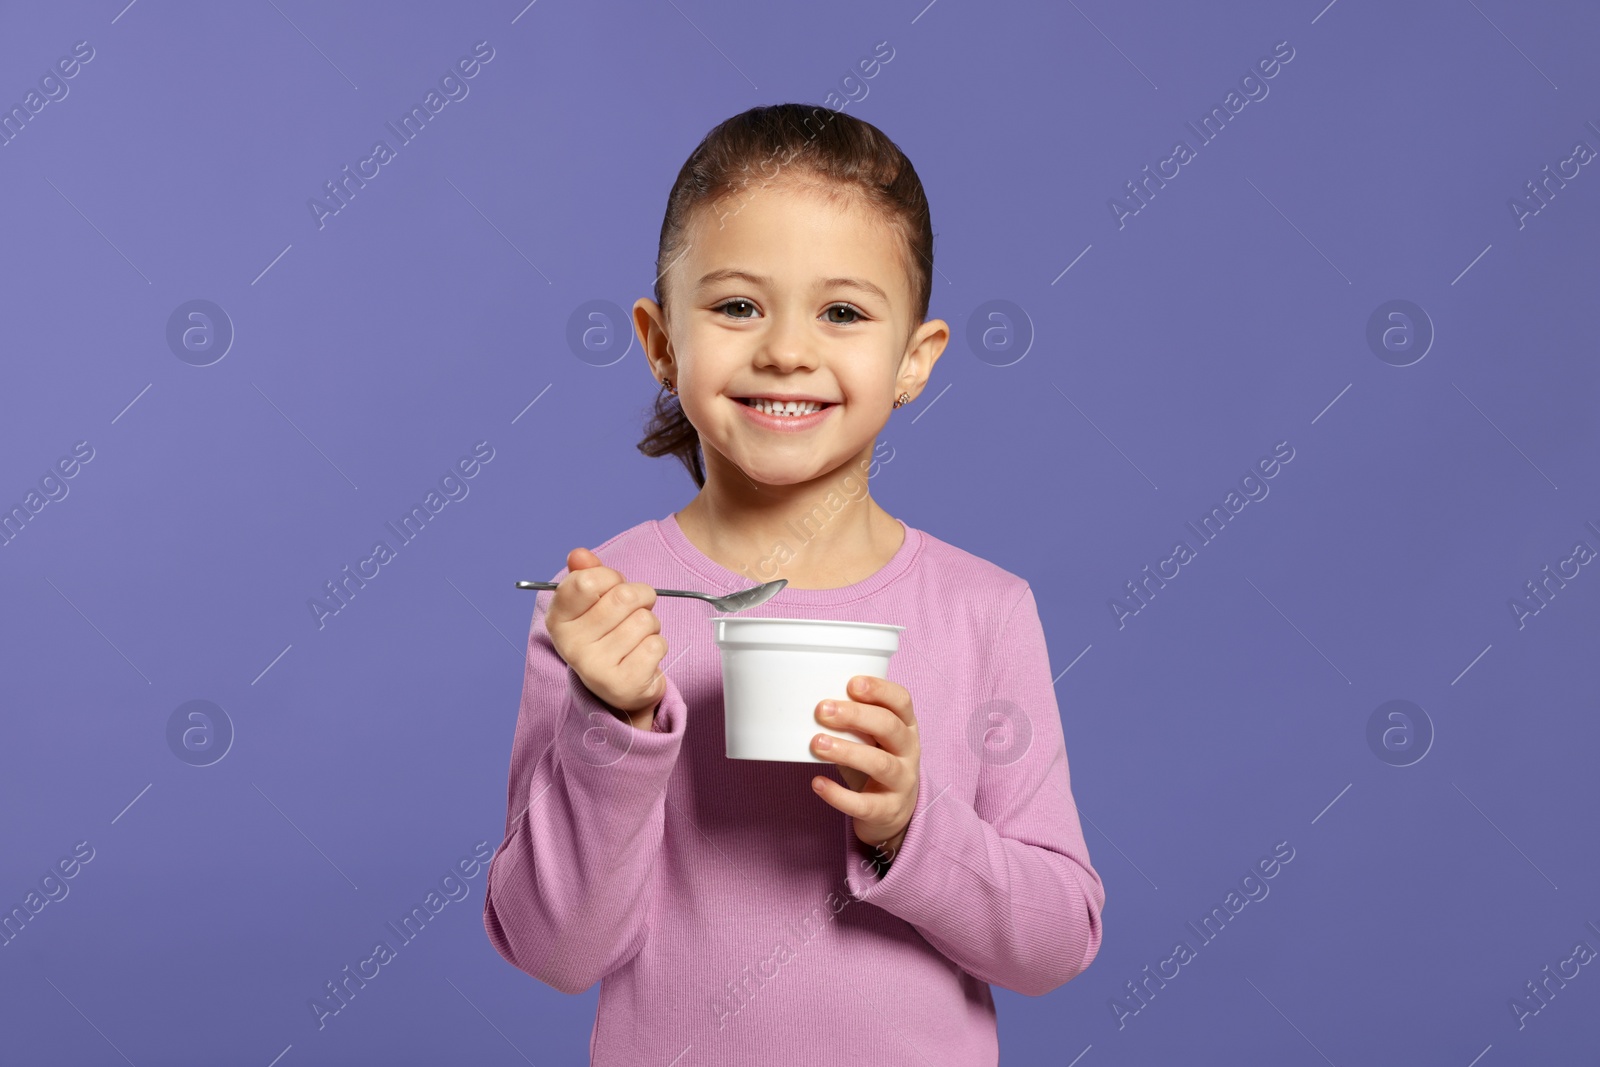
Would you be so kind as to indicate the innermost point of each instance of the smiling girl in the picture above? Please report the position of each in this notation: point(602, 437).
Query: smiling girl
point(709, 896)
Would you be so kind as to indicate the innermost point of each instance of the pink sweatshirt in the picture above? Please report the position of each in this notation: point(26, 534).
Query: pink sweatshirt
point(727, 910)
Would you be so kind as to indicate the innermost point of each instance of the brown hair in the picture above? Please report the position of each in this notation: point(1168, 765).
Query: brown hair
point(845, 154)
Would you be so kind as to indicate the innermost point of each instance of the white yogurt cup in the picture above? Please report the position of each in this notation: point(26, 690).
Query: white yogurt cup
point(776, 671)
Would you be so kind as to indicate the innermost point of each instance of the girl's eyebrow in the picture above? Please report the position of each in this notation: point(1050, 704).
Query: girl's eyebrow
point(733, 273)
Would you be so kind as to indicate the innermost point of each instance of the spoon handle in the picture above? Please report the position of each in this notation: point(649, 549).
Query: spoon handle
point(659, 592)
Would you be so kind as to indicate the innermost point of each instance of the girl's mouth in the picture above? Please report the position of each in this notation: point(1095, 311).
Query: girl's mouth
point(785, 416)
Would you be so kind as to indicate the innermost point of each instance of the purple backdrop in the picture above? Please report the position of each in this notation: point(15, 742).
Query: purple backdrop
point(1377, 261)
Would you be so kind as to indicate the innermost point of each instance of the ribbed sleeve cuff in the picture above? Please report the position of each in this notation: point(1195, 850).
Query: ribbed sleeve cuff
point(936, 883)
point(598, 748)
point(916, 872)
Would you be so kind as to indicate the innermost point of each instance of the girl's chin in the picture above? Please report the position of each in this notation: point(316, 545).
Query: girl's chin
point(796, 469)
point(777, 475)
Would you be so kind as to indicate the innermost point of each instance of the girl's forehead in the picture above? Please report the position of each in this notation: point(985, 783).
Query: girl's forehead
point(792, 237)
point(758, 208)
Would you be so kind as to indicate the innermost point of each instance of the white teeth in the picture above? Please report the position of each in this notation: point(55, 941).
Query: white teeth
point(791, 407)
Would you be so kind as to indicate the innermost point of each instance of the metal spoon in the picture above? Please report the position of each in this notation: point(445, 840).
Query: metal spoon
point(731, 602)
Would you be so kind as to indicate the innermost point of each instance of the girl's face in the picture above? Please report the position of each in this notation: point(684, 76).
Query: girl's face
point(781, 293)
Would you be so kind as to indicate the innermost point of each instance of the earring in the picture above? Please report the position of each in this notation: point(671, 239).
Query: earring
point(671, 389)
point(904, 398)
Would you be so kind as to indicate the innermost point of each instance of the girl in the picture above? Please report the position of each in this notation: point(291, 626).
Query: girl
point(714, 899)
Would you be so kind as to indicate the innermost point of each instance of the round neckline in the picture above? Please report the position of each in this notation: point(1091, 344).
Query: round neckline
point(726, 580)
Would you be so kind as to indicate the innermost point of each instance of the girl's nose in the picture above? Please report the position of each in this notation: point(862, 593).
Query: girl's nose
point(786, 345)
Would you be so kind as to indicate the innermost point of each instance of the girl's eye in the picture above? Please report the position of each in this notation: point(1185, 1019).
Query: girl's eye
point(729, 303)
point(854, 313)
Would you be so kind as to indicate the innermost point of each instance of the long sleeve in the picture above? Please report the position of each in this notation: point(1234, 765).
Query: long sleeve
point(1002, 886)
point(569, 889)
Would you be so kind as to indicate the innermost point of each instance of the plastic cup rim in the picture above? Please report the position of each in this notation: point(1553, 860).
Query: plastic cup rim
point(811, 622)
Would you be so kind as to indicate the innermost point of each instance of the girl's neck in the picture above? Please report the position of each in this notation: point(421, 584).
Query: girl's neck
point(805, 542)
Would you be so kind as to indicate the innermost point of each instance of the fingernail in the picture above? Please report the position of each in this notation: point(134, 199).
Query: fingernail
point(828, 708)
point(824, 741)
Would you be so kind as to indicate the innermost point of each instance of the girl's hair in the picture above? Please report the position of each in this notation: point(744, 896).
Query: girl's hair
point(844, 154)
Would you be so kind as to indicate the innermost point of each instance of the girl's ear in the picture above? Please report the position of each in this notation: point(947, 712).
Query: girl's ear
point(923, 350)
point(650, 323)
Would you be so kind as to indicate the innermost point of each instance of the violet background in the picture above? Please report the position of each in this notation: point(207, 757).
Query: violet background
point(1229, 314)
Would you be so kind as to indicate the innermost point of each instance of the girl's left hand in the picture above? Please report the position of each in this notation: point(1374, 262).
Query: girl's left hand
point(883, 779)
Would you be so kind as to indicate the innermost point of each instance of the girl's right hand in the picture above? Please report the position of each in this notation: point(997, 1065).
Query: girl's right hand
point(602, 626)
